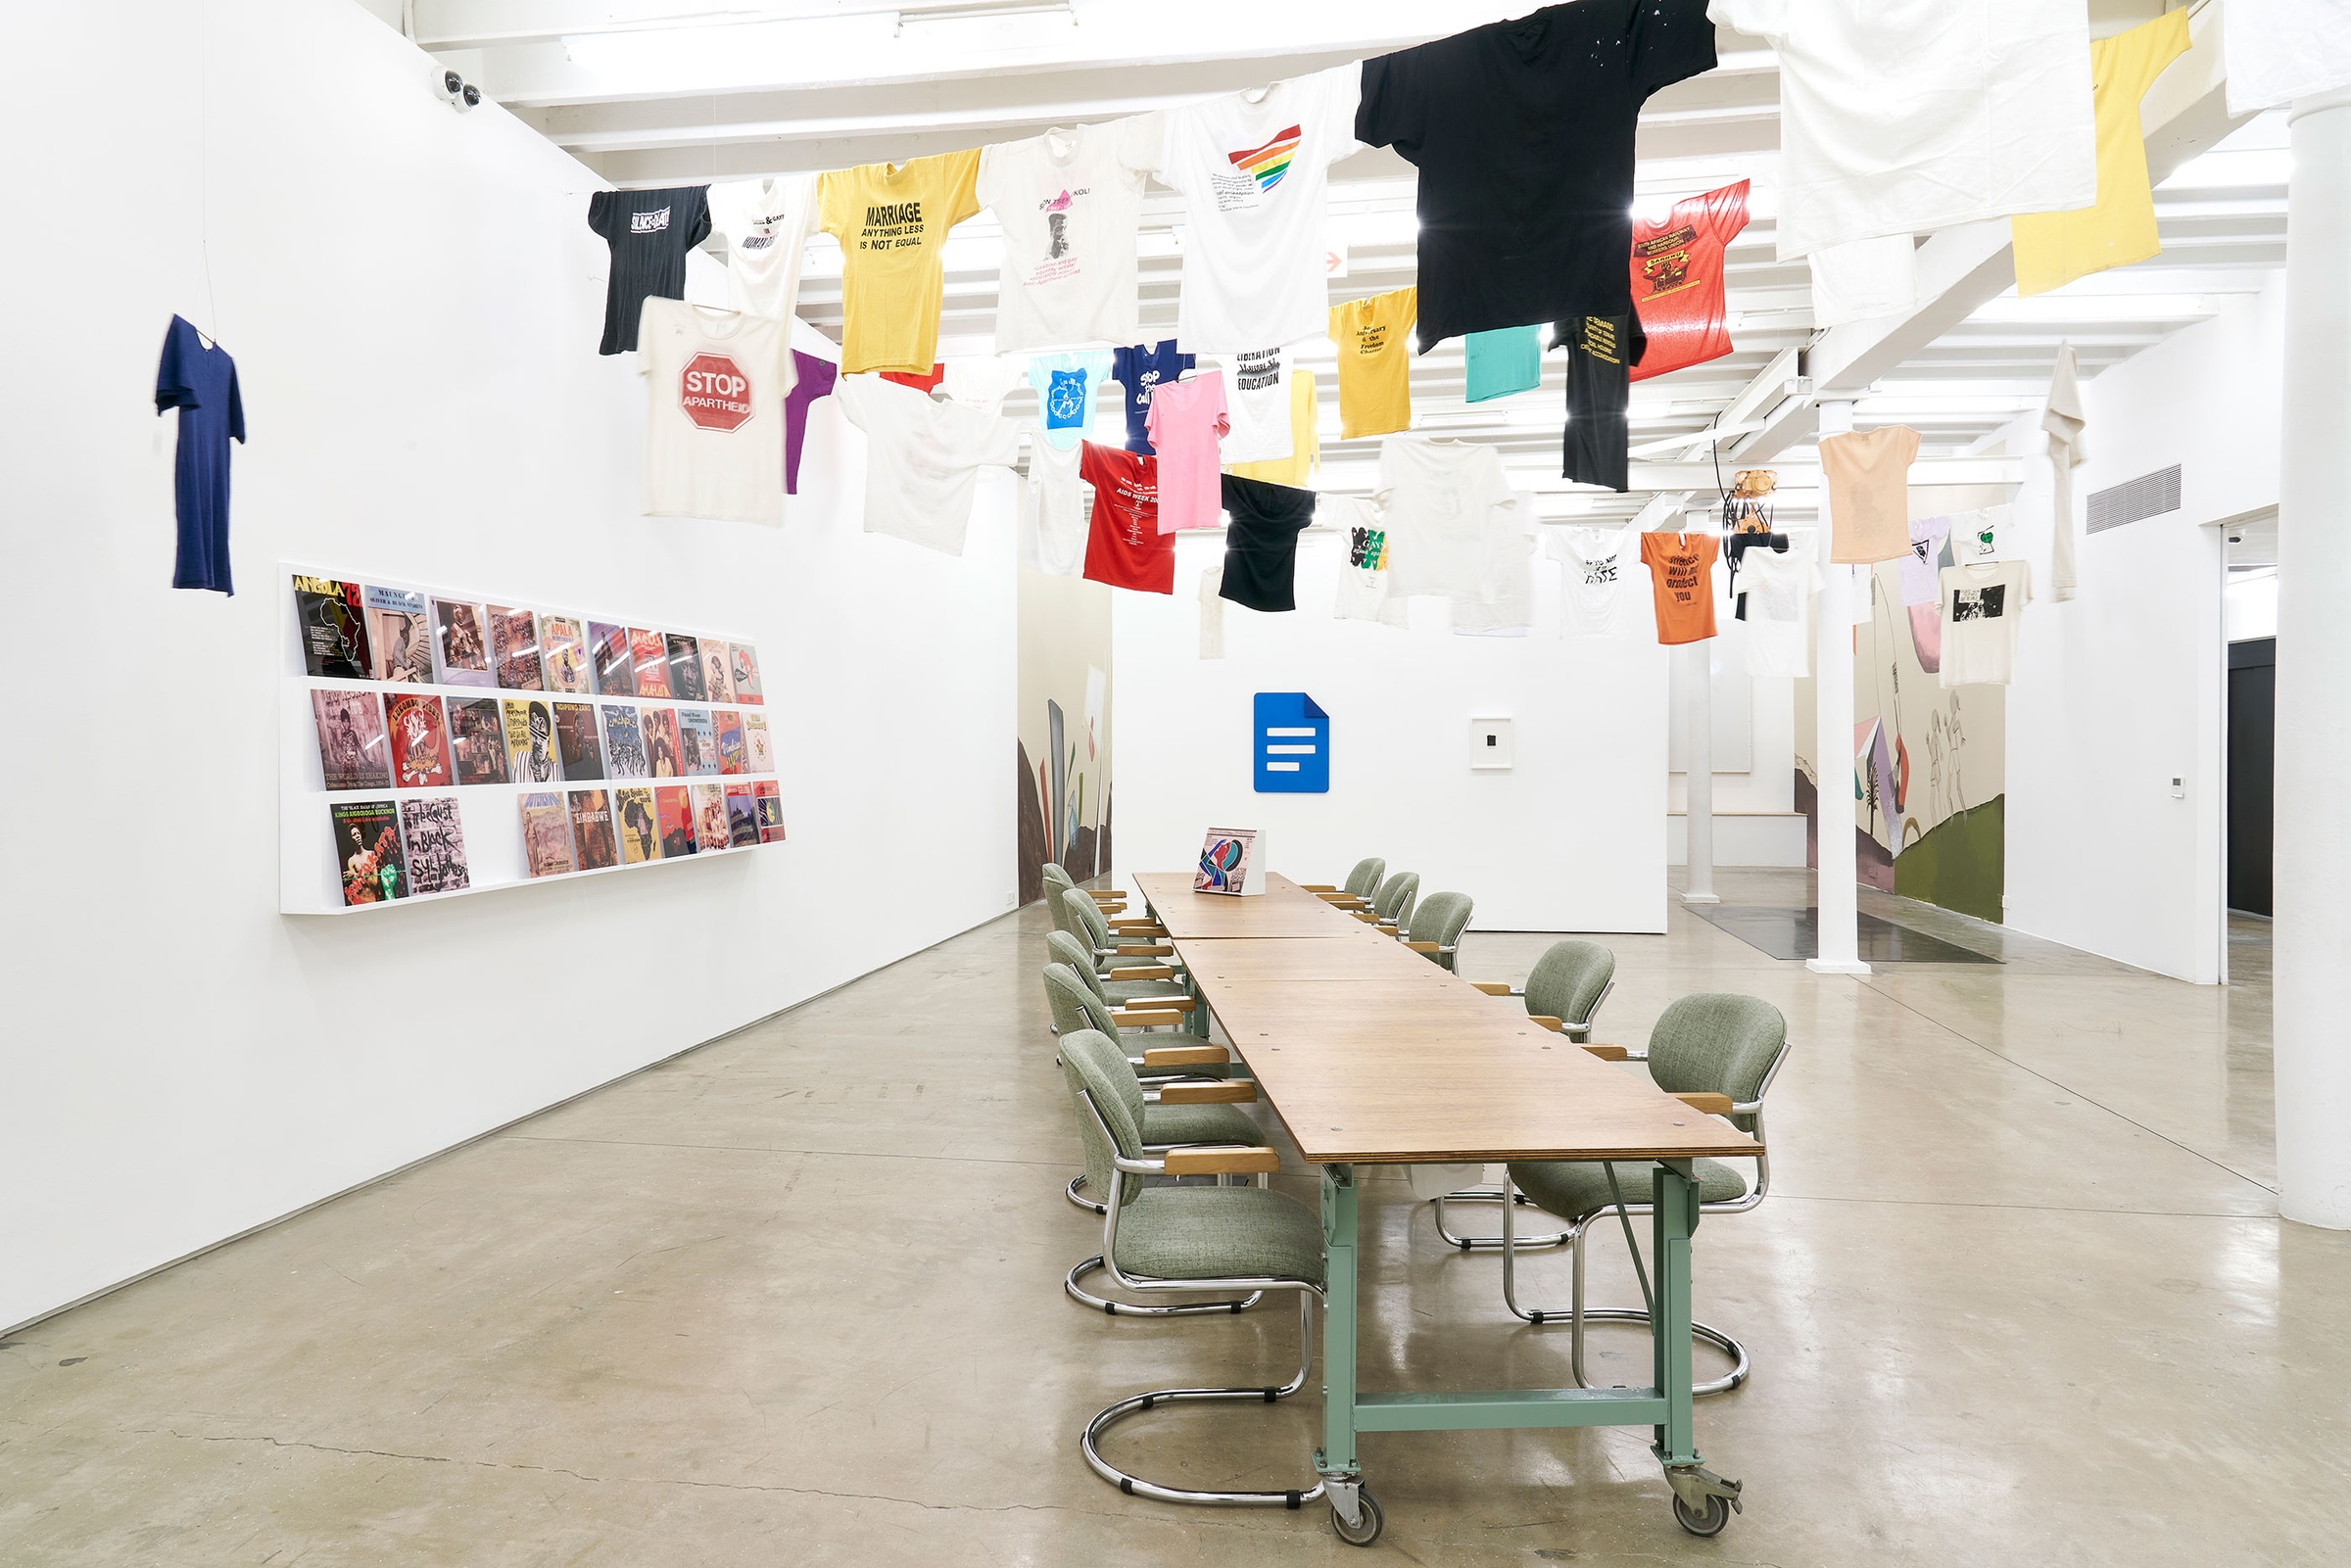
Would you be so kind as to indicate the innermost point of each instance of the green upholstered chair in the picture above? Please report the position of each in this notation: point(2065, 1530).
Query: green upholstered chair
point(1186, 1240)
point(1059, 882)
point(1392, 905)
point(1112, 949)
point(1436, 926)
point(1146, 985)
point(1720, 1053)
point(1355, 892)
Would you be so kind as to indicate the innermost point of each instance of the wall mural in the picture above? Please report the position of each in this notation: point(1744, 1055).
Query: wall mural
point(1062, 725)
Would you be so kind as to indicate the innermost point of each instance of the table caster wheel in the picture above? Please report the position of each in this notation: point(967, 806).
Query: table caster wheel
point(1365, 1532)
point(1707, 1521)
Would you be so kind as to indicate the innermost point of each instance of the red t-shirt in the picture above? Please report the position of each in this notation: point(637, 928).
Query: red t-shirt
point(1677, 280)
point(1123, 546)
point(939, 372)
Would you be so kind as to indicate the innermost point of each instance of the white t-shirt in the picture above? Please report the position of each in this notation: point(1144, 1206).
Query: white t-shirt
point(1983, 608)
point(765, 223)
point(1066, 385)
point(1861, 280)
point(1903, 117)
point(1922, 568)
point(980, 380)
point(714, 390)
point(922, 458)
point(1253, 168)
point(1258, 404)
point(1059, 509)
point(1211, 610)
point(1779, 586)
point(1595, 566)
point(1982, 536)
point(1071, 202)
point(1363, 594)
point(1451, 522)
point(1508, 607)
point(2281, 50)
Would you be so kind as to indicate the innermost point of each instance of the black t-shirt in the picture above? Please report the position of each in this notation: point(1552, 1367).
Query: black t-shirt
point(1261, 543)
point(1524, 134)
point(1601, 351)
point(650, 234)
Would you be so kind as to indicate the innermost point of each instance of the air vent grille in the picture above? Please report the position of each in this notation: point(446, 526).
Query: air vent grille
point(2136, 499)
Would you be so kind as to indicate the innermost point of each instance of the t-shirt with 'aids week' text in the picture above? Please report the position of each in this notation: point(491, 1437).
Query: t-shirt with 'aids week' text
point(714, 384)
point(1123, 546)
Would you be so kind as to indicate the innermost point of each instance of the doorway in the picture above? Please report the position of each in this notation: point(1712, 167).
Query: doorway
point(2252, 739)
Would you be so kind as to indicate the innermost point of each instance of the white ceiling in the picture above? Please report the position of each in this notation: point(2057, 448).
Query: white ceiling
point(661, 92)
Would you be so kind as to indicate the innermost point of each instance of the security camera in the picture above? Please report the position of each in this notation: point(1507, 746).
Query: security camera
point(460, 93)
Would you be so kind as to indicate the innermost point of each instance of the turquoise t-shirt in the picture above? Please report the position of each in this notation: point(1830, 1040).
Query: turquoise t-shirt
point(1504, 360)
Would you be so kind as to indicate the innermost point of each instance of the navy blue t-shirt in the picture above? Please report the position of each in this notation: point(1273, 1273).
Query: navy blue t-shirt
point(1139, 370)
point(201, 384)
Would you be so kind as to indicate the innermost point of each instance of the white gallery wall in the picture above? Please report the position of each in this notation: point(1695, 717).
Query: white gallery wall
point(1573, 838)
point(412, 298)
point(2120, 691)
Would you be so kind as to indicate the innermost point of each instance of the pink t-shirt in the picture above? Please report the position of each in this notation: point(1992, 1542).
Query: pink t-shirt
point(1186, 419)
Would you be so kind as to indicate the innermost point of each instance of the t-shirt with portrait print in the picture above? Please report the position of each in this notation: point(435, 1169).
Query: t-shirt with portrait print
point(1983, 610)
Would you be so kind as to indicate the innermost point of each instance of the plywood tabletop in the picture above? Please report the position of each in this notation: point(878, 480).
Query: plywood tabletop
point(1283, 909)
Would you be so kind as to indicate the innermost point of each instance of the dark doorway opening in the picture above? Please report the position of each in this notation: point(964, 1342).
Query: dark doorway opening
point(2252, 742)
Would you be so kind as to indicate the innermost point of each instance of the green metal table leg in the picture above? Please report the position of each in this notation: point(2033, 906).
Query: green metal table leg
point(1197, 1020)
point(1335, 1460)
point(1675, 1217)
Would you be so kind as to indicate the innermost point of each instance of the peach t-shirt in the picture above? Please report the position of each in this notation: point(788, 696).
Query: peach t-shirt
point(1868, 478)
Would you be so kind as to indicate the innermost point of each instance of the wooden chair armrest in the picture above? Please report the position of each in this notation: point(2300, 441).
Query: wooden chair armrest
point(1713, 1105)
point(1606, 1053)
point(1425, 947)
point(1338, 898)
point(1149, 927)
point(1547, 1020)
point(1223, 1160)
point(1106, 898)
point(1366, 916)
point(1185, 1055)
point(1140, 950)
point(1146, 1017)
point(1493, 988)
point(1144, 972)
point(1318, 887)
point(1229, 1091)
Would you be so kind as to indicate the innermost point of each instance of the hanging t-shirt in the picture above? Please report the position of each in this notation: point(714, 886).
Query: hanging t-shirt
point(648, 233)
point(1861, 280)
point(1922, 568)
point(1601, 351)
point(2066, 421)
point(1258, 399)
point(980, 380)
point(1524, 134)
point(1681, 577)
point(1261, 541)
point(923, 459)
point(1985, 535)
point(812, 378)
point(1071, 202)
point(1451, 521)
point(1212, 611)
point(1059, 508)
point(1903, 117)
point(1363, 588)
point(893, 222)
point(2281, 50)
point(1677, 280)
point(1123, 546)
point(1983, 608)
point(1777, 587)
point(1305, 443)
point(2052, 249)
point(714, 389)
point(1867, 474)
point(1374, 339)
point(1508, 608)
point(1141, 370)
point(1187, 417)
point(1064, 386)
point(1251, 167)
point(1502, 361)
point(923, 381)
point(200, 380)
point(1594, 566)
point(765, 223)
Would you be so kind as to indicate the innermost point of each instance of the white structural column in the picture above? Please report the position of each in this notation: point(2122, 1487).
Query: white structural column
point(1698, 777)
point(2312, 872)
point(1833, 725)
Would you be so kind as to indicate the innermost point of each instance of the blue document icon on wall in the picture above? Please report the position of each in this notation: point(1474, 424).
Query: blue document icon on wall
point(1292, 744)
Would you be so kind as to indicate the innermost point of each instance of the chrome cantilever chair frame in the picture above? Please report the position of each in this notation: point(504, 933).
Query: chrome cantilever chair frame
point(1133, 1485)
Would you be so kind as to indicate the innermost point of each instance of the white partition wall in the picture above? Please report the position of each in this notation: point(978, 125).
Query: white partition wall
point(412, 298)
point(1570, 837)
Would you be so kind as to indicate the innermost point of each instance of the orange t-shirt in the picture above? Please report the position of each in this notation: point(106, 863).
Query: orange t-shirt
point(1681, 574)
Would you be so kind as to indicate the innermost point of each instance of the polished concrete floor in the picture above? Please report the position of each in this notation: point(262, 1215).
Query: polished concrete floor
point(2020, 1296)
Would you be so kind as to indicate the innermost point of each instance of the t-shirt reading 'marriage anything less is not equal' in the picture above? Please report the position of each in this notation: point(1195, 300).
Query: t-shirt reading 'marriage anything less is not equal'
point(893, 221)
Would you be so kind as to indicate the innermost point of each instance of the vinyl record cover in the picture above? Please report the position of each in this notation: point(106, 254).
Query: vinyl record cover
point(718, 681)
point(676, 812)
point(546, 834)
point(651, 651)
point(697, 743)
point(768, 803)
point(640, 828)
point(515, 649)
point(615, 664)
point(759, 750)
point(531, 741)
point(333, 618)
point(624, 744)
point(684, 667)
point(460, 647)
point(660, 726)
point(575, 739)
point(420, 745)
point(477, 740)
point(743, 673)
point(352, 751)
point(709, 815)
point(436, 845)
point(563, 650)
point(742, 818)
point(400, 635)
point(591, 836)
point(367, 849)
point(734, 752)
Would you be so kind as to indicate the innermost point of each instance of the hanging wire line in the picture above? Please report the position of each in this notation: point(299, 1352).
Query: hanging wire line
point(203, 170)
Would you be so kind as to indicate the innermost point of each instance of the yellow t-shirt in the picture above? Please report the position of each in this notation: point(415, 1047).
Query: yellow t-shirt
point(2052, 249)
point(1375, 361)
point(891, 222)
point(1306, 438)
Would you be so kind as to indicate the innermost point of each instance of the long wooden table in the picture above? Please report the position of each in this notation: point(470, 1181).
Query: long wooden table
point(1372, 1055)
